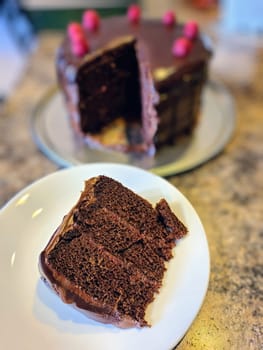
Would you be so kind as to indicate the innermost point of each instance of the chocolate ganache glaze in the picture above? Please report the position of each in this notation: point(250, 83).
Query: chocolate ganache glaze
point(177, 80)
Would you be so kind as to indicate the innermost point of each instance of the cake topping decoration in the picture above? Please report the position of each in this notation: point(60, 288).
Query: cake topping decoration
point(191, 29)
point(80, 48)
point(91, 20)
point(181, 47)
point(78, 41)
point(169, 18)
point(134, 13)
point(74, 29)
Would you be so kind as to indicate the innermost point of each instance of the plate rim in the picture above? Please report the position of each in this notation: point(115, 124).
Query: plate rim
point(166, 170)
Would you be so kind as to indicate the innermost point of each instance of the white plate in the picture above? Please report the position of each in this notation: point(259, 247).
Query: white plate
point(54, 137)
point(33, 317)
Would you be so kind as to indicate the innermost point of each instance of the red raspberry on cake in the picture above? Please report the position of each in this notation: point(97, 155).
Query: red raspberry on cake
point(78, 42)
point(91, 20)
point(79, 48)
point(169, 18)
point(74, 29)
point(181, 47)
point(191, 30)
point(134, 13)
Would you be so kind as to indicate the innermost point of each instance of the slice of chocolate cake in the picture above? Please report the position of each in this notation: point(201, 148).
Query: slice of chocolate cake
point(108, 256)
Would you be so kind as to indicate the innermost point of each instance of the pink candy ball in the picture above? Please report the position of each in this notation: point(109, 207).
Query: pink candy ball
point(181, 47)
point(134, 13)
point(168, 18)
point(74, 29)
point(91, 20)
point(78, 42)
point(191, 30)
point(79, 48)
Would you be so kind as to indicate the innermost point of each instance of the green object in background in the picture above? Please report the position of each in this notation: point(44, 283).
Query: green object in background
point(57, 18)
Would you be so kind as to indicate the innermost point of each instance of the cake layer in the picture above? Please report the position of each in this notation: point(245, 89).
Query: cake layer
point(95, 280)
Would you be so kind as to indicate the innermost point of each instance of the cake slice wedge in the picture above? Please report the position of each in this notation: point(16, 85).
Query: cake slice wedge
point(109, 255)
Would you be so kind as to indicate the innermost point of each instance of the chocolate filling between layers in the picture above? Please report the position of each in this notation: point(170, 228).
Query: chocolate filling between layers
point(119, 238)
point(139, 213)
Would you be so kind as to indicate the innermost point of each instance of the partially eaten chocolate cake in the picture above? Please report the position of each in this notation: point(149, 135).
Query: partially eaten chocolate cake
point(134, 96)
point(109, 255)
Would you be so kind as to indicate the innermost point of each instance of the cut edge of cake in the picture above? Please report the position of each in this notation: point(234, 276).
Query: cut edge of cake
point(118, 133)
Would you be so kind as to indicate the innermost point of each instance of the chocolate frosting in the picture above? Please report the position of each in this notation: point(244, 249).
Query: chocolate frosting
point(157, 38)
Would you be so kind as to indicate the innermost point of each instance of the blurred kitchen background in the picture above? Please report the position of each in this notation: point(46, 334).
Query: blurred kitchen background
point(21, 21)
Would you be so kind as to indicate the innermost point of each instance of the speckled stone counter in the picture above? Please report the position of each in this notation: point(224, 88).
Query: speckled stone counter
point(227, 192)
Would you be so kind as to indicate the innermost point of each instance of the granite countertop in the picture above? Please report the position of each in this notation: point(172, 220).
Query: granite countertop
point(227, 191)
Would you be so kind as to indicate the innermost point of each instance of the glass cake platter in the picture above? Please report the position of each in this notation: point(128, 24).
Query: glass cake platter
point(54, 137)
point(33, 317)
